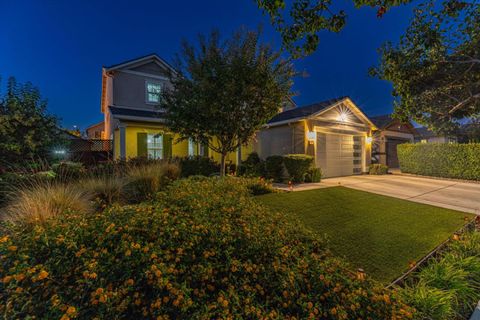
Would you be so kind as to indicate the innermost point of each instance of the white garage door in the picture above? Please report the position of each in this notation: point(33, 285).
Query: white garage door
point(338, 154)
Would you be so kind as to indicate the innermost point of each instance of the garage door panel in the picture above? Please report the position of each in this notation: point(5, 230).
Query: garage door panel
point(338, 155)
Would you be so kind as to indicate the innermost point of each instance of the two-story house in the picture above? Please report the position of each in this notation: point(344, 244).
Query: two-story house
point(335, 132)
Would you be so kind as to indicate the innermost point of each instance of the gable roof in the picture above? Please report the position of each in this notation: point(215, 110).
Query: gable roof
point(305, 111)
point(152, 56)
point(382, 121)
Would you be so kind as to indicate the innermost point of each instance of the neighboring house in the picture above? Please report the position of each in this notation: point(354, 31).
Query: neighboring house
point(96, 131)
point(335, 132)
point(389, 135)
point(427, 136)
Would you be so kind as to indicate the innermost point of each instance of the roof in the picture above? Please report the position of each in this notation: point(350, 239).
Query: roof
point(95, 124)
point(382, 121)
point(116, 111)
point(425, 132)
point(135, 60)
point(303, 112)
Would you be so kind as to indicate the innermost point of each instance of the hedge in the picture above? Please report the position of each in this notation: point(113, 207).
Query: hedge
point(459, 161)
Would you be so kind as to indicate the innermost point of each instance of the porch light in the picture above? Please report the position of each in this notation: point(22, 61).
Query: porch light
point(368, 140)
point(311, 136)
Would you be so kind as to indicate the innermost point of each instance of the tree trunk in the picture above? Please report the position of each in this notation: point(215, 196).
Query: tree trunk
point(222, 165)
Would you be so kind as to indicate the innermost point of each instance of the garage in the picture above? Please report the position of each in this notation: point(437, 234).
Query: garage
point(338, 154)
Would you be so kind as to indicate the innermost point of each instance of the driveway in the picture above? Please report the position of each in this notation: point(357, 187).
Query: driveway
point(461, 196)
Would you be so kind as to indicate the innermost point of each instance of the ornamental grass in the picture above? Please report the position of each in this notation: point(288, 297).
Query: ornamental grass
point(204, 249)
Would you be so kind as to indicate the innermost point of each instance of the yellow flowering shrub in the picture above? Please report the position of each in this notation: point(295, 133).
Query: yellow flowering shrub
point(205, 249)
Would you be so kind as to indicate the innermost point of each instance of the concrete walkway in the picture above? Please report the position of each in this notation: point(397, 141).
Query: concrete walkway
point(461, 196)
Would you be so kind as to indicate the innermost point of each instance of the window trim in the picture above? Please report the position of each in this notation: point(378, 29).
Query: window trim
point(147, 82)
point(160, 148)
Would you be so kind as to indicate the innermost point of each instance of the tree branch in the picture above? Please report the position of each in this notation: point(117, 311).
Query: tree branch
point(464, 102)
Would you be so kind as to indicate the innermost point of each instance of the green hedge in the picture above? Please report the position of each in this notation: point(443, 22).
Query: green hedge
point(297, 166)
point(460, 161)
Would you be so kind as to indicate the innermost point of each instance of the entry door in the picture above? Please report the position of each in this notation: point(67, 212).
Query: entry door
point(337, 154)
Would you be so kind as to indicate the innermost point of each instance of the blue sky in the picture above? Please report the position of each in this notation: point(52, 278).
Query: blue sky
point(60, 46)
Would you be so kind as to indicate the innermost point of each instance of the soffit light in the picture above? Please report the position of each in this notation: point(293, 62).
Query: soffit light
point(343, 114)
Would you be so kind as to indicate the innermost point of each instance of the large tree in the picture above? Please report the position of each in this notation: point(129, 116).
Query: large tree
point(300, 21)
point(226, 90)
point(27, 131)
point(435, 67)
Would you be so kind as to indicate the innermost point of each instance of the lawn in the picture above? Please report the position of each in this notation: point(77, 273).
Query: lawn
point(377, 233)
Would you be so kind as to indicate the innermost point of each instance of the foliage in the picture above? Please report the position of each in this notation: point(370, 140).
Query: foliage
point(198, 165)
point(307, 18)
point(107, 189)
point(435, 68)
point(313, 175)
point(204, 250)
point(69, 170)
point(46, 200)
point(378, 168)
point(144, 181)
point(448, 160)
point(274, 168)
point(253, 166)
point(297, 166)
point(449, 286)
point(27, 131)
point(225, 91)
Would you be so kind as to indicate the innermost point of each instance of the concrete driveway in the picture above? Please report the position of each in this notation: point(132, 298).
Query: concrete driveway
point(462, 196)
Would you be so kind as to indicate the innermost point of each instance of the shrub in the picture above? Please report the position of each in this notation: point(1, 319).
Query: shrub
point(69, 170)
point(204, 250)
point(253, 166)
point(107, 189)
point(313, 175)
point(378, 169)
point(274, 168)
point(297, 166)
point(45, 200)
point(144, 181)
point(198, 165)
point(449, 286)
point(256, 186)
point(448, 160)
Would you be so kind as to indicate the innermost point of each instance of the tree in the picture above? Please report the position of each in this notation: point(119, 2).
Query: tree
point(435, 68)
point(301, 23)
point(26, 130)
point(225, 91)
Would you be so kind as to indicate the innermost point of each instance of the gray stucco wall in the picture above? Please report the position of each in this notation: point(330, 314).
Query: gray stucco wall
point(281, 140)
point(129, 90)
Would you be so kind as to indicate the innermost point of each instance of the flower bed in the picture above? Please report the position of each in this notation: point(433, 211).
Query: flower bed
point(204, 249)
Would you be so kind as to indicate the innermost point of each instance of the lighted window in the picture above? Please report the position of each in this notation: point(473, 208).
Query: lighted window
point(191, 148)
point(153, 91)
point(154, 146)
point(423, 141)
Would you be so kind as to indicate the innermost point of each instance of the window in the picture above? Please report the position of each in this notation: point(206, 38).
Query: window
point(191, 148)
point(154, 146)
point(153, 90)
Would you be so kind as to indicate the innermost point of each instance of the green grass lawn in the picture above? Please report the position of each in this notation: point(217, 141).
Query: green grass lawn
point(377, 233)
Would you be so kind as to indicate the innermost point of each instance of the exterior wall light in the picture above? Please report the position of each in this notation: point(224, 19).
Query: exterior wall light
point(342, 116)
point(368, 140)
point(311, 136)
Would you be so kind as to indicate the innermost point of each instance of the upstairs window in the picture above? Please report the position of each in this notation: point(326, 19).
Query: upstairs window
point(153, 91)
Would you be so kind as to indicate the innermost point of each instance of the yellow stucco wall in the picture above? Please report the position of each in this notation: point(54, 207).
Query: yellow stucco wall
point(179, 148)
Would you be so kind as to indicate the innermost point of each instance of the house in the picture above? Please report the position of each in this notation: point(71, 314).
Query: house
point(389, 135)
point(427, 136)
point(335, 132)
point(132, 118)
point(96, 131)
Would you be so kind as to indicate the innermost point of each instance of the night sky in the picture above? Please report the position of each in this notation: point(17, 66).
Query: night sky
point(61, 46)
